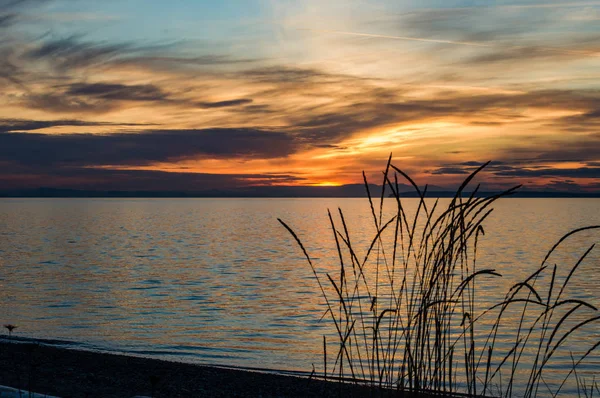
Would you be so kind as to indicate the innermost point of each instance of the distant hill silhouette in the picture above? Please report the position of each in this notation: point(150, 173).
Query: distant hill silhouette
point(344, 191)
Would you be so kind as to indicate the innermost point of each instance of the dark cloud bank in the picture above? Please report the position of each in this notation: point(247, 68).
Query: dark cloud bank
point(29, 160)
point(140, 148)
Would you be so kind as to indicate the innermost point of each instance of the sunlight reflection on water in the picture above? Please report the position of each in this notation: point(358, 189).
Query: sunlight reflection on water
point(220, 281)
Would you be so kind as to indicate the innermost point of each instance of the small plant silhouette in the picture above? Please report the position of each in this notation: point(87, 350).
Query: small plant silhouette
point(10, 328)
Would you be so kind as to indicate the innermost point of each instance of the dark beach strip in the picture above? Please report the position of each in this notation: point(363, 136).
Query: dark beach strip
point(66, 372)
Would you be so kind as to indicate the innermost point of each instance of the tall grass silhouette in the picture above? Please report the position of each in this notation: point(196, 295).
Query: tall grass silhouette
point(405, 313)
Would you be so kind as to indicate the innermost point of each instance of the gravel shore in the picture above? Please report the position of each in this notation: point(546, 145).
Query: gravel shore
point(72, 373)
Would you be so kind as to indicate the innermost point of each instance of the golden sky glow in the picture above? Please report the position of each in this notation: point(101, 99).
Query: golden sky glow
point(191, 96)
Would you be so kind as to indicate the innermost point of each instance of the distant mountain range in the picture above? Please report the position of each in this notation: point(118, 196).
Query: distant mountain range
point(344, 191)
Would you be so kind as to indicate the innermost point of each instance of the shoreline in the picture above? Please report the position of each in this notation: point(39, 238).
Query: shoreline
point(66, 372)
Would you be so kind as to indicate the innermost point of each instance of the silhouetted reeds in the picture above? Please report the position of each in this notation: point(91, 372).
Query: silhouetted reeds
point(406, 314)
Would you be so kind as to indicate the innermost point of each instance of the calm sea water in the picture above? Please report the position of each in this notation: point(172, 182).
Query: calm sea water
point(219, 281)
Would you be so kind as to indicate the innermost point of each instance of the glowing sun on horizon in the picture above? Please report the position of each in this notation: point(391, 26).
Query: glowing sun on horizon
point(327, 184)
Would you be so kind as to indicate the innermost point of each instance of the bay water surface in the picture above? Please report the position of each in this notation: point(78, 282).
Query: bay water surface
point(220, 281)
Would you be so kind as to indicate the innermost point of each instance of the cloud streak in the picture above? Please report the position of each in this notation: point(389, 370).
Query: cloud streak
point(134, 180)
point(17, 125)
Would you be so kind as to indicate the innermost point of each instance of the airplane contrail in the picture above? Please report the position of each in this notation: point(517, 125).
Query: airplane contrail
point(553, 5)
point(454, 42)
point(341, 32)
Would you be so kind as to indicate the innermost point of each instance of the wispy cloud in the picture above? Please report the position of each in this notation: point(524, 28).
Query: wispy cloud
point(117, 92)
point(66, 54)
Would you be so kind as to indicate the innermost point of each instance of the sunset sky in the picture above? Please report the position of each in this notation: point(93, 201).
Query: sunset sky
point(193, 95)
